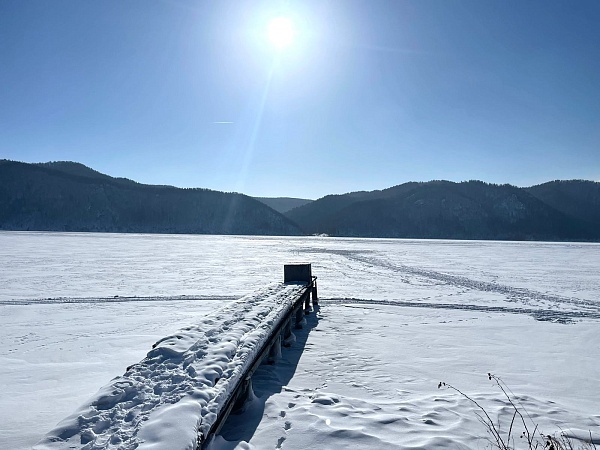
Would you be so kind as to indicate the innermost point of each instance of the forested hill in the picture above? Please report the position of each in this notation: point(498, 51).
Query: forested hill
point(469, 210)
point(576, 198)
point(66, 196)
point(283, 204)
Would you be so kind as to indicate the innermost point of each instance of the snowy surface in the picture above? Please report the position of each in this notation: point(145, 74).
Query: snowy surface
point(353, 391)
point(398, 316)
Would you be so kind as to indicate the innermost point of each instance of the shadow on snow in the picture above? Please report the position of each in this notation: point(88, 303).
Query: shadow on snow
point(269, 379)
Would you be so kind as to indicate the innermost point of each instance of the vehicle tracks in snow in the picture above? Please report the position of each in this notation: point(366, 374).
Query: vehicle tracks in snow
point(542, 306)
point(544, 315)
point(117, 299)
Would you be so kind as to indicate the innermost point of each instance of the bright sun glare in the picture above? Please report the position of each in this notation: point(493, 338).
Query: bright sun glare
point(281, 32)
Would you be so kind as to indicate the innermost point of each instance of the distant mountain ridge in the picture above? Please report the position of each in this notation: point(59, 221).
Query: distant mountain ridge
point(283, 204)
point(66, 196)
point(467, 210)
point(80, 170)
point(577, 198)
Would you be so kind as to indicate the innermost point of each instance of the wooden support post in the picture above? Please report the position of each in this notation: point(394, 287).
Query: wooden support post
point(287, 329)
point(315, 299)
point(275, 350)
point(288, 337)
point(299, 318)
point(246, 394)
point(307, 302)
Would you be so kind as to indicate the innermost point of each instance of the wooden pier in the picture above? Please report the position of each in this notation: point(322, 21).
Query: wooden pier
point(192, 379)
point(281, 335)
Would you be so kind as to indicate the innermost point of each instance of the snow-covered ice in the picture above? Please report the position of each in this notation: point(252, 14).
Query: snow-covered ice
point(368, 379)
point(397, 317)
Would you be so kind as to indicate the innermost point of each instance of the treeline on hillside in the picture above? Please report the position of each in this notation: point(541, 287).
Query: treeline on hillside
point(283, 204)
point(66, 196)
point(559, 210)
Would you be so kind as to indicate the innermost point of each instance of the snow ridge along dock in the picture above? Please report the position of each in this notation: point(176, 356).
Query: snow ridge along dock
point(181, 393)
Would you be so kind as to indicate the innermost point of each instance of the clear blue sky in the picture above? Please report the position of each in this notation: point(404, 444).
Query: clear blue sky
point(369, 94)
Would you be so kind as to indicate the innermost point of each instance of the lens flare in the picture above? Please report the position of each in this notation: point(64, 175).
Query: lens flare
point(281, 32)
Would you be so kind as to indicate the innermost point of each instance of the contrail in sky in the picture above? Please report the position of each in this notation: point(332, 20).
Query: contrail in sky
point(222, 122)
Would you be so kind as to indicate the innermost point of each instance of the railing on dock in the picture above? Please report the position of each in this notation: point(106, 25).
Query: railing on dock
point(281, 335)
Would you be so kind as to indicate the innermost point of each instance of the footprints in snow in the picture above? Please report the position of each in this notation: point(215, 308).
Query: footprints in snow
point(287, 425)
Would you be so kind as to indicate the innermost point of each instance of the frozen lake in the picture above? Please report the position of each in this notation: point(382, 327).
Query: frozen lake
point(397, 317)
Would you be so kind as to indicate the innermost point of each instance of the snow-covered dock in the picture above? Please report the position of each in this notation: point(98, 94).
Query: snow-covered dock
point(178, 396)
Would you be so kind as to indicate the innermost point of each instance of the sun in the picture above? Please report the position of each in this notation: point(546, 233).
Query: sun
point(281, 32)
